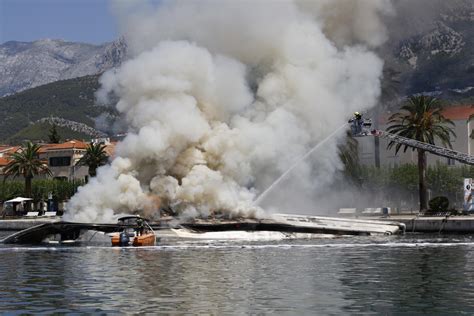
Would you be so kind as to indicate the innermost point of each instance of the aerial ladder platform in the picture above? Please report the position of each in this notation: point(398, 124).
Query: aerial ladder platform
point(362, 128)
point(436, 150)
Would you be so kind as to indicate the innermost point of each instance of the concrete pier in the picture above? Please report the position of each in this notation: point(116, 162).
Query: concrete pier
point(414, 223)
point(434, 224)
point(24, 223)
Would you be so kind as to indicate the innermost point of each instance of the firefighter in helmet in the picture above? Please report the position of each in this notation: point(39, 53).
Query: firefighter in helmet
point(357, 123)
point(140, 226)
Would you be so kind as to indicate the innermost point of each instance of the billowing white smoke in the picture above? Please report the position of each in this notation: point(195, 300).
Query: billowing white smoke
point(221, 97)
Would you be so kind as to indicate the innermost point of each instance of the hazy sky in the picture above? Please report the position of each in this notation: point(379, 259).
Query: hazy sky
point(87, 21)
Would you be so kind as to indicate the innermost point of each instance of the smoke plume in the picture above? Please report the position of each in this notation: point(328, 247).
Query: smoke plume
point(221, 97)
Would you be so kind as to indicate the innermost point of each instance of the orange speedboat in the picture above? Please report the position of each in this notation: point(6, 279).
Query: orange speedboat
point(136, 232)
point(148, 239)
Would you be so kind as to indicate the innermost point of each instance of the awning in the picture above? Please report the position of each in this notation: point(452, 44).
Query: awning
point(18, 200)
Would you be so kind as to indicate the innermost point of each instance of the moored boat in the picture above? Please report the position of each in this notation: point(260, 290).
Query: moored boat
point(136, 232)
point(294, 225)
point(148, 239)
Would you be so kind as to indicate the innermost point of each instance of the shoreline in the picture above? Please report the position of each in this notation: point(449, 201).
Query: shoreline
point(462, 224)
point(413, 223)
point(18, 224)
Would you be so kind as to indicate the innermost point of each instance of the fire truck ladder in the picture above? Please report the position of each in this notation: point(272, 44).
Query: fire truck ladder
point(439, 151)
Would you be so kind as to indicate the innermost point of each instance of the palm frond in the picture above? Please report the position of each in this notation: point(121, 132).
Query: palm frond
point(421, 119)
point(94, 157)
point(26, 162)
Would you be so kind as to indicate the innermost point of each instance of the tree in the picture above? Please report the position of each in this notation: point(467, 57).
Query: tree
point(26, 162)
point(94, 157)
point(348, 153)
point(421, 119)
point(53, 136)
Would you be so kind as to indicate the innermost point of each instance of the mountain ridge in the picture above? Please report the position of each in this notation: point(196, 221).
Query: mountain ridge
point(25, 65)
point(432, 53)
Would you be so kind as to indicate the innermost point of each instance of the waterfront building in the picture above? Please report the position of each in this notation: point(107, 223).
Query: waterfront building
point(61, 158)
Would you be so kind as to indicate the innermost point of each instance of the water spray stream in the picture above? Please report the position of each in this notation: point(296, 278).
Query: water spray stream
point(300, 159)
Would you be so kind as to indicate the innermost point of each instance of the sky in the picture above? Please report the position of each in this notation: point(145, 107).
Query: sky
point(89, 21)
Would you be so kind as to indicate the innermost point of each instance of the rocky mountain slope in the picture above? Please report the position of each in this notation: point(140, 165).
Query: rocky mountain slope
point(26, 65)
point(432, 47)
point(430, 50)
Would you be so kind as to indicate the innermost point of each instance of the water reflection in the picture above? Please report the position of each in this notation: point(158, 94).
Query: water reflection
point(328, 277)
point(401, 279)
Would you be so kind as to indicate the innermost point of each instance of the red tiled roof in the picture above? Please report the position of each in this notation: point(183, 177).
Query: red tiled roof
point(45, 147)
point(459, 112)
point(4, 161)
point(77, 144)
point(454, 113)
point(6, 150)
point(9, 149)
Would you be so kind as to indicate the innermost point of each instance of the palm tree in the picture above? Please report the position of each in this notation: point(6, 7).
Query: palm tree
point(26, 162)
point(471, 117)
point(94, 157)
point(421, 119)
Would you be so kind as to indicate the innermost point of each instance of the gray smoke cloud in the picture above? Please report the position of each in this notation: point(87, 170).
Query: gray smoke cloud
point(221, 97)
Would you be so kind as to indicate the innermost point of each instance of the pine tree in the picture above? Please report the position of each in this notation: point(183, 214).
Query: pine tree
point(54, 137)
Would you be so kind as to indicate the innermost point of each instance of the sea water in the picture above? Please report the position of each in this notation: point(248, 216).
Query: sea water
point(413, 274)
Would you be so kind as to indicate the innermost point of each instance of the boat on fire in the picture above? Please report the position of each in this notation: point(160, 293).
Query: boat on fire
point(136, 232)
point(126, 232)
point(289, 226)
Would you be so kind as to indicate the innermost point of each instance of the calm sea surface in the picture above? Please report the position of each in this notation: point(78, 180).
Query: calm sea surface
point(385, 275)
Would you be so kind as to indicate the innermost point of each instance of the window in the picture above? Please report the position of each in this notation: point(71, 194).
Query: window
point(451, 162)
point(59, 161)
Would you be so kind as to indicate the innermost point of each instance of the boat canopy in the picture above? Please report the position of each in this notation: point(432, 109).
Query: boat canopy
point(131, 217)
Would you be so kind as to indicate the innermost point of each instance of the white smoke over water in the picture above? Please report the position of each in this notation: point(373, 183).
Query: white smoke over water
point(221, 97)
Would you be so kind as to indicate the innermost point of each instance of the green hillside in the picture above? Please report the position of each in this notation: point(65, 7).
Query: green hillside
point(71, 99)
point(40, 132)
